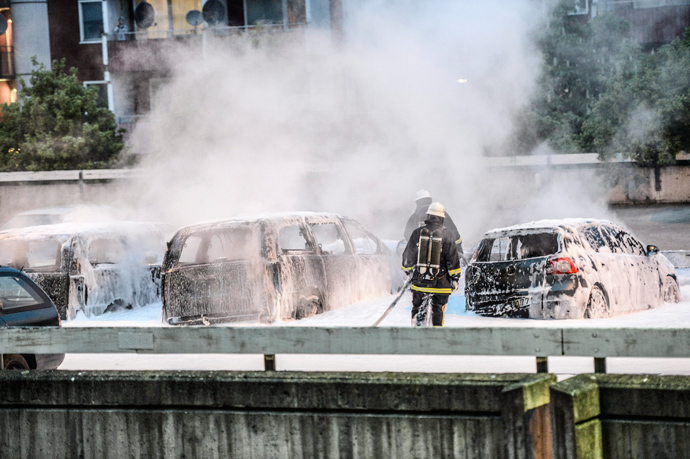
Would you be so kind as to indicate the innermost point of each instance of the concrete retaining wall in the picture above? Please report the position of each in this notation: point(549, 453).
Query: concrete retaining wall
point(334, 415)
point(621, 417)
point(625, 183)
point(273, 415)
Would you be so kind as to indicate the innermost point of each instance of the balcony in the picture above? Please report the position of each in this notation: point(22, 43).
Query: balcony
point(7, 70)
point(147, 50)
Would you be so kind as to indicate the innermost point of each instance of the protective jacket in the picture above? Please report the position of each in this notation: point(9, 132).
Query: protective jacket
point(417, 219)
point(449, 262)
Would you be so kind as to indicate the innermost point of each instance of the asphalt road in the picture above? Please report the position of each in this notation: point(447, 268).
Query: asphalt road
point(667, 227)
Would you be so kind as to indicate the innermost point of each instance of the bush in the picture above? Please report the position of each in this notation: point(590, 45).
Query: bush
point(57, 124)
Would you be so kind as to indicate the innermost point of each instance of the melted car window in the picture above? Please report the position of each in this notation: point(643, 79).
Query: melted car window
point(329, 238)
point(293, 238)
point(106, 251)
point(232, 244)
point(518, 247)
point(362, 242)
point(30, 254)
point(16, 293)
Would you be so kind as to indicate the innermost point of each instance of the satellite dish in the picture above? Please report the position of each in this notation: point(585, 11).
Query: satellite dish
point(3, 24)
point(213, 12)
point(194, 18)
point(144, 15)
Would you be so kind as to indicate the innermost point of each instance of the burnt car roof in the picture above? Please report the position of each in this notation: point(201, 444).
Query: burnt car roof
point(564, 223)
point(64, 231)
point(257, 218)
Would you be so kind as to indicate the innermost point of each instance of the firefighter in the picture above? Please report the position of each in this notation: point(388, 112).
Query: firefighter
point(432, 259)
point(423, 200)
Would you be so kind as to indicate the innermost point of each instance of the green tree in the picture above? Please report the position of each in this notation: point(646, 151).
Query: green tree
point(57, 124)
point(645, 112)
point(578, 60)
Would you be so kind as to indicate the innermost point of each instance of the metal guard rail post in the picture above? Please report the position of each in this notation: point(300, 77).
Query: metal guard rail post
point(540, 342)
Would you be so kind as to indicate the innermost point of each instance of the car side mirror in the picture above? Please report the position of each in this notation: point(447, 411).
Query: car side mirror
point(652, 250)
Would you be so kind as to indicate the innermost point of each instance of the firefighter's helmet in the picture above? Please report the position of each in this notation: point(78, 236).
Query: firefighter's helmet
point(422, 194)
point(436, 208)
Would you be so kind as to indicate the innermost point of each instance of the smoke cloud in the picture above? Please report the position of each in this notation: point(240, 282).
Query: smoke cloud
point(413, 96)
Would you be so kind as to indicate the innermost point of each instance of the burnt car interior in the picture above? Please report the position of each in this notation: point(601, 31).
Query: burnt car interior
point(363, 243)
point(329, 238)
point(217, 246)
point(293, 239)
point(518, 247)
point(36, 255)
point(106, 251)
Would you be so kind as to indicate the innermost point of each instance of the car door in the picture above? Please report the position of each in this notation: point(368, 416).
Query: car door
point(301, 268)
point(625, 287)
point(44, 263)
point(340, 266)
point(241, 270)
point(645, 270)
point(218, 273)
point(372, 274)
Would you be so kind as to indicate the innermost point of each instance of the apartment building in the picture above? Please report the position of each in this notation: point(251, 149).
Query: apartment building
point(102, 39)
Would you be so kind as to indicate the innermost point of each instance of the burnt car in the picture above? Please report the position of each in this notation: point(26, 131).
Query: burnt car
point(53, 215)
point(567, 269)
point(23, 303)
point(271, 267)
point(90, 267)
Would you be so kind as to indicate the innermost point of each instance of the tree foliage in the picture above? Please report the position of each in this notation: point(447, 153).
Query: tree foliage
point(57, 124)
point(645, 112)
point(578, 60)
point(601, 92)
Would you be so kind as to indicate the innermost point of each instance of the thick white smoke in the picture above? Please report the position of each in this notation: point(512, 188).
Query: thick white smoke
point(412, 97)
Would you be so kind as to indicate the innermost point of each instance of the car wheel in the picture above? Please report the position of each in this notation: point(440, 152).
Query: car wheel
point(598, 304)
point(309, 306)
point(671, 291)
point(15, 362)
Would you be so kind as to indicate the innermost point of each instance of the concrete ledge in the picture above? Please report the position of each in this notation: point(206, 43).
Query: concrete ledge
point(272, 415)
point(621, 417)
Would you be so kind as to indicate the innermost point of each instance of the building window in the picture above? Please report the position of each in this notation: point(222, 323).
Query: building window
point(91, 20)
point(580, 7)
point(102, 88)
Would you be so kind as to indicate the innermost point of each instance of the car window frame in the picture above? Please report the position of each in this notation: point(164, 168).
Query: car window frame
point(306, 233)
point(47, 302)
point(344, 236)
point(207, 235)
point(361, 227)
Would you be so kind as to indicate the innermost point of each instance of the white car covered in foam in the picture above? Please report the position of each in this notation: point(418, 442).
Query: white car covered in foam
point(567, 269)
point(90, 267)
point(271, 267)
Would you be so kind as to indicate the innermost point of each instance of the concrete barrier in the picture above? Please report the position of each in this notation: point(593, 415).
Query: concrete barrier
point(273, 415)
point(621, 417)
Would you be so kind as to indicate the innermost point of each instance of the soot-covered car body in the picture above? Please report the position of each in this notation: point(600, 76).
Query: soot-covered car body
point(23, 304)
point(566, 269)
point(271, 267)
point(90, 267)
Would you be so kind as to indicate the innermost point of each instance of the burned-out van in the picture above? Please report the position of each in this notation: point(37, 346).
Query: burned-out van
point(90, 267)
point(271, 267)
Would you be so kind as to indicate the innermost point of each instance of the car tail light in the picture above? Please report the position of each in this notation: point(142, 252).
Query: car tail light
point(561, 266)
